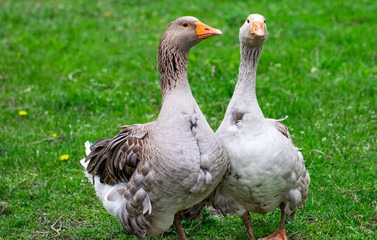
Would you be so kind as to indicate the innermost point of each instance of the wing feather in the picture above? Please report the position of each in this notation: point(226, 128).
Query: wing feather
point(281, 127)
point(116, 159)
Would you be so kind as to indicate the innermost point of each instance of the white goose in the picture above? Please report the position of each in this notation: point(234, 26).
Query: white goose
point(267, 170)
point(148, 173)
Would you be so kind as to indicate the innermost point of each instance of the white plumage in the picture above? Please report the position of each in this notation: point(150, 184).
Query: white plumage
point(267, 170)
point(112, 199)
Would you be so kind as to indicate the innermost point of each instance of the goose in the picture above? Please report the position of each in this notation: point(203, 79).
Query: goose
point(148, 173)
point(266, 169)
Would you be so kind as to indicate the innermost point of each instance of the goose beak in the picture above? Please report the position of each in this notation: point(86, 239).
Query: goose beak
point(257, 30)
point(204, 31)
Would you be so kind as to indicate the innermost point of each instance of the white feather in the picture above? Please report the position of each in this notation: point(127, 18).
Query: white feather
point(111, 198)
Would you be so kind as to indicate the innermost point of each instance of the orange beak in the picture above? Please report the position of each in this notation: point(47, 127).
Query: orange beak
point(204, 31)
point(257, 30)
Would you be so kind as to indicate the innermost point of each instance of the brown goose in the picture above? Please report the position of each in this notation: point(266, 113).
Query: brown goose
point(149, 172)
point(267, 170)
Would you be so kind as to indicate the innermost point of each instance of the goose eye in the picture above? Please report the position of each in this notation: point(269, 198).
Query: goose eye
point(185, 24)
point(248, 21)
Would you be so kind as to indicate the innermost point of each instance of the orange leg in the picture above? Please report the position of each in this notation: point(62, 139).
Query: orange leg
point(247, 221)
point(280, 233)
point(178, 227)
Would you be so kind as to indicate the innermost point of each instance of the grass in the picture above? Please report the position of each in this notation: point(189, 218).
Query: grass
point(82, 68)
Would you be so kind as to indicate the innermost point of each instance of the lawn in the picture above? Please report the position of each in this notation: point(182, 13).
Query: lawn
point(79, 69)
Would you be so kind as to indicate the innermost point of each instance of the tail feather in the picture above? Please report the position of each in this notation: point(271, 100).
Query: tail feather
point(128, 201)
point(87, 147)
point(87, 151)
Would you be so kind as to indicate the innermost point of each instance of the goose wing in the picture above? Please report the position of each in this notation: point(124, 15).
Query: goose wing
point(122, 159)
point(281, 127)
point(116, 159)
point(303, 177)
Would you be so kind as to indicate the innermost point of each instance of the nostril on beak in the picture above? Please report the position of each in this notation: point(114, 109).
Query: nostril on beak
point(207, 29)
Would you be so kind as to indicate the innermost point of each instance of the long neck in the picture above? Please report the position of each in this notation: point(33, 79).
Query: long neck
point(176, 92)
point(244, 98)
point(172, 64)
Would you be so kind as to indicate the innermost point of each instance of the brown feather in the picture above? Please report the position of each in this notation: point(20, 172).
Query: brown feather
point(115, 159)
point(281, 128)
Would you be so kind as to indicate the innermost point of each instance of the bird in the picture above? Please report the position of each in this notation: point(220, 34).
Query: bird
point(266, 169)
point(147, 173)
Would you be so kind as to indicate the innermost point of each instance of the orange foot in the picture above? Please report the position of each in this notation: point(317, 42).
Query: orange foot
point(278, 235)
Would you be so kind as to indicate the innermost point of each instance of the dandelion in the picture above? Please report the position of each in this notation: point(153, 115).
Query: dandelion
point(106, 14)
point(54, 134)
point(18, 54)
point(22, 113)
point(64, 157)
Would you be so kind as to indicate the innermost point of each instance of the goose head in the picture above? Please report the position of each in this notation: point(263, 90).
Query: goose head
point(254, 31)
point(186, 32)
point(181, 35)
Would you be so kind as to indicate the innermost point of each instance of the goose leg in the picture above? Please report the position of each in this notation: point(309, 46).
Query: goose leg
point(247, 221)
point(178, 227)
point(280, 233)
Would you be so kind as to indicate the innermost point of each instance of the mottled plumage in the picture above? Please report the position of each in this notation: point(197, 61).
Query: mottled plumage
point(148, 173)
point(115, 159)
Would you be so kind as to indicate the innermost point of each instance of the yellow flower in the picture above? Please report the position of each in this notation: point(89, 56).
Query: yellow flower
point(18, 54)
point(64, 157)
point(22, 113)
point(106, 14)
point(54, 134)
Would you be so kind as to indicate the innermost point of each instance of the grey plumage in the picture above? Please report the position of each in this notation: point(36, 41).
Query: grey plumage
point(144, 174)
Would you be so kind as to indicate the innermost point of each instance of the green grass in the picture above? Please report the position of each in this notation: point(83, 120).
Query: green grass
point(82, 68)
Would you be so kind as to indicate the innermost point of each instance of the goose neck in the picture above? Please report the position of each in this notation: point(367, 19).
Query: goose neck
point(247, 71)
point(172, 64)
point(244, 98)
